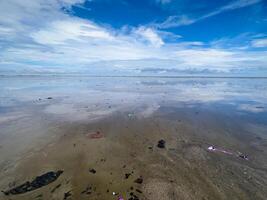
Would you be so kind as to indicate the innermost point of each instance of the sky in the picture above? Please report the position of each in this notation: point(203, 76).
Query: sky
point(134, 37)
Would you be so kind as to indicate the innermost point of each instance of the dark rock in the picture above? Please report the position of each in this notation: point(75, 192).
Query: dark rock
point(139, 180)
point(161, 144)
point(133, 196)
point(93, 171)
point(38, 182)
point(137, 190)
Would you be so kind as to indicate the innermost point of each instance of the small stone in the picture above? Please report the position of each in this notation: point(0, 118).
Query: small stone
point(137, 190)
point(139, 180)
point(161, 144)
point(93, 171)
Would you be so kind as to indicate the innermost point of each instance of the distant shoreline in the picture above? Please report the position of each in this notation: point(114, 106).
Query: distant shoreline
point(121, 76)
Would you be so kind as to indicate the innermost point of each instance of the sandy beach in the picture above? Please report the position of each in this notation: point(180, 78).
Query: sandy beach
point(105, 138)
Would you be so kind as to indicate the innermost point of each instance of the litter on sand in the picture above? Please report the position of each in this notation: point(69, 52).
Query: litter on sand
point(240, 155)
point(120, 198)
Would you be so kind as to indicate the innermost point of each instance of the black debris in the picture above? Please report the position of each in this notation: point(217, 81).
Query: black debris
point(93, 171)
point(127, 175)
point(139, 180)
point(161, 144)
point(243, 156)
point(67, 195)
point(38, 182)
point(49, 98)
point(88, 190)
point(133, 196)
point(137, 190)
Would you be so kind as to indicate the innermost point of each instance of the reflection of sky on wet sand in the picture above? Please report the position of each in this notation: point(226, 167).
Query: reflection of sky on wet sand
point(91, 98)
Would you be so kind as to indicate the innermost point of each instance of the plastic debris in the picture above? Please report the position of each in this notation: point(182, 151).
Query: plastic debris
point(240, 155)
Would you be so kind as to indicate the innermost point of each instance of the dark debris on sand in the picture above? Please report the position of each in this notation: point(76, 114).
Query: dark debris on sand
point(38, 182)
point(139, 180)
point(127, 175)
point(93, 171)
point(161, 144)
point(67, 195)
point(133, 196)
point(88, 190)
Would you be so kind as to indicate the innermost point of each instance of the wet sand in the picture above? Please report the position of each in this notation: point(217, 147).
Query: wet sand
point(126, 151)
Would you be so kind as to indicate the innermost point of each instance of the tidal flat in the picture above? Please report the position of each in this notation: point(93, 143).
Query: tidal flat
point(146, 138)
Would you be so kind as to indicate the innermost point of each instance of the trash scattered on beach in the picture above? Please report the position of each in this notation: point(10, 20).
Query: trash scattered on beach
point(120, 198)
point(212, 148)
point(240, 155)
point(38, 182)
point(161, 144)
point(95, 135)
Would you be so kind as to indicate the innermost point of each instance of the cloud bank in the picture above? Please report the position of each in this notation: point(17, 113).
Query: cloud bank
point(43, 36)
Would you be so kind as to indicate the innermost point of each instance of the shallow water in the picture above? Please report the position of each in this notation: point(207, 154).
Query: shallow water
point(39, 133)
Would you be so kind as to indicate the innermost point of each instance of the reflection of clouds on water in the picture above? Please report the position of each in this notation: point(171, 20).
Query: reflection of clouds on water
point(88, 97)
point(251, 108)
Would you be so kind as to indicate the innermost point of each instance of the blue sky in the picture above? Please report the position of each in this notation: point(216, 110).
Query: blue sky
point(134, 37)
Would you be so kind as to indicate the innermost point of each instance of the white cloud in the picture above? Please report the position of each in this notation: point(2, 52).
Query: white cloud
point(251, 108)
point(150, 35)
point(176, 21)
point(59, 32)
point(39, 36)
point(259, 42)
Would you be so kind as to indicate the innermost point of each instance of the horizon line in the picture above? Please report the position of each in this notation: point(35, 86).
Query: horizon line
point(126, 76)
